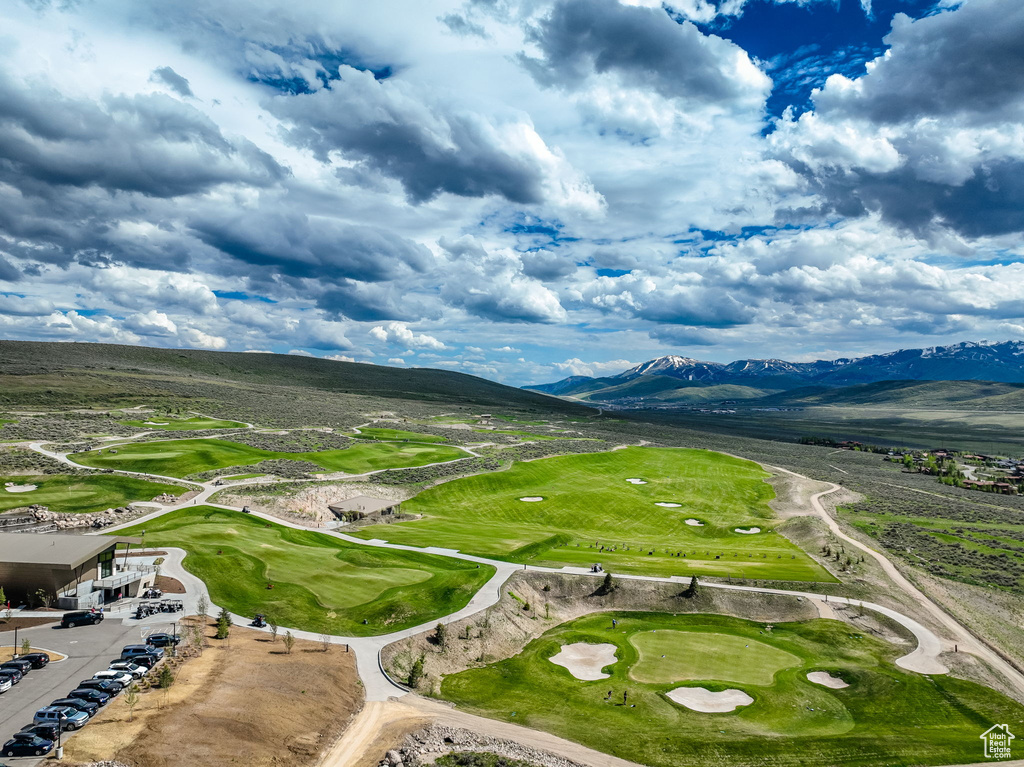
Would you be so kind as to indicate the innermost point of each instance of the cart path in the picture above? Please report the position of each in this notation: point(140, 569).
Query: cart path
point(965, 640)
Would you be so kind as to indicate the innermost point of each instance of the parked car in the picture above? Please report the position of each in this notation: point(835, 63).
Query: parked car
point(81, 618)
point(103, 685)
point(163, 640)
point(147, 661)
point(11, 674)
point(131, 651)
point(27, 744)
point(23, 666)
point(5, 684)
point(121, 677)
point(37, 659)
point(68, 717)
point(82, 704)
point(47, 730)
point(137, 670)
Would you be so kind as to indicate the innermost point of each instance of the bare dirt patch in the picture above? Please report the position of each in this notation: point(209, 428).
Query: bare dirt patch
point(9, 651)
point(26, 622)
point(169, 585)
point(306, 502)
point(585, 661)
point(826, 679)
point(708, 702)
point(243, 701)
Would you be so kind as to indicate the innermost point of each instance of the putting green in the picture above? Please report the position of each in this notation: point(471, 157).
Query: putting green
point(887, 716)
point(320, 583)
point(179, 458)
point(70, 493)
point(698, 655)
point(591, 513)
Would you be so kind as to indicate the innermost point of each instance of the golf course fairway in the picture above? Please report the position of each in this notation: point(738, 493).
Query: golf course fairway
point(886, 716)
point(179, 458)
point(581, 509)
point(320, 583)
point(81, 494)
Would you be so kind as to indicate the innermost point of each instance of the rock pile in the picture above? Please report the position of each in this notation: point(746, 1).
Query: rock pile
point(439, 739)
point(97, 519)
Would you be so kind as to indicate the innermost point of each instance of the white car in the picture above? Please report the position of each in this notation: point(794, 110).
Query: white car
point(125, 667)
point(5, 684)
point(121, 677)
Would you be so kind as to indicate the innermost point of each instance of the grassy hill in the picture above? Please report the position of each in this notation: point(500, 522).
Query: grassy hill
point(663, 389)
point(974, 395)
point(41, 374)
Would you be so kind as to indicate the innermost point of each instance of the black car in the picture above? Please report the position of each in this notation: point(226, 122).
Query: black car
point(37, 659)
point(98, 697)
point(108, 686)
point(143, 660)
point(11, 673)
point(81, 704)
point(163, 640)
point(21, 665)
point(47, 731)
point(81, 618)
point(27, 744)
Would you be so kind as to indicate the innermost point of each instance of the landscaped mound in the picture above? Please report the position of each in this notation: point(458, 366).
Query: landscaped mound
point(319, 583)
point(591, 515)
point(772, 715)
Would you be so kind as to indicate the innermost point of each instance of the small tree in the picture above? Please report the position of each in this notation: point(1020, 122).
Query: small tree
point(223, 625)
point(5, 610)
point(691, 591)
point(131, 699)
point(289, 642)
point(44, 597)
point(325, 642)
point(607, 586)
point(272, 622)
point(441, 635)
point(203, 606)
point(416, 673)
point(26, 646)
point(165, 678)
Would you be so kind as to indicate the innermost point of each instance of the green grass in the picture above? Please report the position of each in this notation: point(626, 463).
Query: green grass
point(172, 423)
point(320, 583)
point(885, 717)
point(179, 458)
point(675, 656)
point(74, 494)
point(397, 434)
point(589, 505)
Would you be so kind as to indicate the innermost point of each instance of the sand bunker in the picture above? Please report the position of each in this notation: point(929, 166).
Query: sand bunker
point(694, 523)
point(532, 498)
point(20, 488)
point(635, 481)
point(826, 679)
point(668, 505)
point(703, 700)
point(749, 531)
point(585, 661)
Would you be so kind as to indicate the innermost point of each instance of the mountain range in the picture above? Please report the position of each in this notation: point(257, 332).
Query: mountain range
point(687, 381)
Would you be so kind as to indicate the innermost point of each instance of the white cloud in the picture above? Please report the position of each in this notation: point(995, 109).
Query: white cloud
point(400, 334)
point(577, 367)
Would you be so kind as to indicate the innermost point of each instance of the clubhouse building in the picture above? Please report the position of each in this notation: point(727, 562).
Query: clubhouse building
point(79, 571)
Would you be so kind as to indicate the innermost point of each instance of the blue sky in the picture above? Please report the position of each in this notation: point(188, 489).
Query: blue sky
point(519, 189)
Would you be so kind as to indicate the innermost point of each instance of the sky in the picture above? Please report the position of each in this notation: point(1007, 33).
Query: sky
point(517, 189)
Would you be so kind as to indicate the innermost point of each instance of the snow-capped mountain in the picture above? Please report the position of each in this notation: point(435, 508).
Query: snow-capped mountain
point(1001, 362)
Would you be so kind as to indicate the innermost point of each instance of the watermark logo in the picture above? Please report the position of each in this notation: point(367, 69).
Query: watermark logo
point(997, 741)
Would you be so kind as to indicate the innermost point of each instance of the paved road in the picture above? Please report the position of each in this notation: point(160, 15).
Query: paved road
point(89, 649)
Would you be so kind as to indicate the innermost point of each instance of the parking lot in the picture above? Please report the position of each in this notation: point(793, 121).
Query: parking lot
point(89, 649)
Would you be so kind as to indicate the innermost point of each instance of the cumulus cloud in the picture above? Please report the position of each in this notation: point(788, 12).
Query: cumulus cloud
point(398, 333)
point(577, 367)
point(645, 48)
point(429, 148)
point(172, 80)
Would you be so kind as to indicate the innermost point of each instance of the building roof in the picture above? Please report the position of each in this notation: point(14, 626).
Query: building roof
point(61, 551)
point(363, 503)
